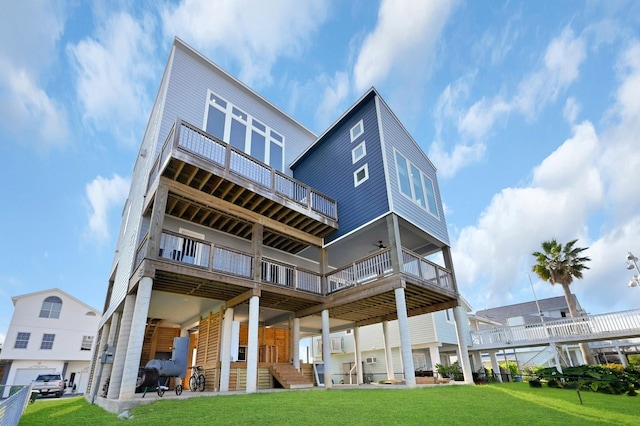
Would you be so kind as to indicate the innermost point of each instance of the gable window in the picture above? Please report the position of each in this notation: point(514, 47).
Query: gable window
point(361, 175)
point(358, 152)
point(22, 340)
point(47, 341)
point(357, 130)
point(51, 307)
point(87, 341)
point(415, 185)
point(238, 128)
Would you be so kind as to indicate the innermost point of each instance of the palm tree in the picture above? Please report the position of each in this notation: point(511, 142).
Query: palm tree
point(560, 265)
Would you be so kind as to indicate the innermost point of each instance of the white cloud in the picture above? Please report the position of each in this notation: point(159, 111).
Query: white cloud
point(402, 42)
point(25, 56)
point(571, 110)
point(112, 73)
point(254, 34)
point(587, 175)
point(336, 90)
point(462, 155)
point(103, 195)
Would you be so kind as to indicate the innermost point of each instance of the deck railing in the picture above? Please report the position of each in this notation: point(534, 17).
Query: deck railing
point(610, 325)
point(217, 258)
point(189, 138)
point(420, 267)
point(360, 272)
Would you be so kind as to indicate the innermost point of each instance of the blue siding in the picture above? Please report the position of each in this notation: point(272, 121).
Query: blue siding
point(191, 76)
point(328, 168)
point(395, 137)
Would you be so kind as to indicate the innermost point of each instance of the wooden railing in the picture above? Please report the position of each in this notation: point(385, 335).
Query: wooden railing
point(590, 327)
point(216, 258)
point(194, 141)
point(430, 272)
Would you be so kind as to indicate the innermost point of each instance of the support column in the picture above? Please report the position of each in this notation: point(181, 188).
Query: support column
point(121, 347)
point(98, 366)
point(326, 348)
point(405, 339)
point(395, 244)
point(136, 339)
point(476, 357)
point(296, 343)
point(358, 355)
point(387, 349)
point(434, 354)
point(252, 355)
point(556, 357)
point(495, 366)
point(621, 357)
point(257, 232)
point(460, 315)
point(225, 350)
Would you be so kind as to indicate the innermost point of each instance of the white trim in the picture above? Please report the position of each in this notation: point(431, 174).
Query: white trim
point(364, 168)
point(362, 147)
point(357, 130)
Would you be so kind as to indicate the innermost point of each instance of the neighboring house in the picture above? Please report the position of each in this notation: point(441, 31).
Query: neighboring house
point(50, 332)
point(247, 232)
point(534, 312)
point(433, 341)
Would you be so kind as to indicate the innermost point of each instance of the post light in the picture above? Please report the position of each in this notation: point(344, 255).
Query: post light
point(632, 264)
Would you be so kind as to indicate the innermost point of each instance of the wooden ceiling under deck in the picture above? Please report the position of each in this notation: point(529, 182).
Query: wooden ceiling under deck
point(246, 195)
point(367, 304)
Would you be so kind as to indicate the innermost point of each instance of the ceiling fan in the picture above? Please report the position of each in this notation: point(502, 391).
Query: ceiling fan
point(379, 245)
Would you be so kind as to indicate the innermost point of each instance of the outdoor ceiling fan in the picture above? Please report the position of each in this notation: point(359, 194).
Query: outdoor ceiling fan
point(379, 245)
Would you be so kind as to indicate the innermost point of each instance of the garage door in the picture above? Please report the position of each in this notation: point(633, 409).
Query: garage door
point(24, 376)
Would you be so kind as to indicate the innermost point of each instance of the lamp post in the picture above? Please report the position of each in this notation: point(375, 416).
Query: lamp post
point(632, 264)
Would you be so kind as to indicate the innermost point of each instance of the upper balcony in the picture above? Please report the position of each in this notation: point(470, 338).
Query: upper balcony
point(204, 168)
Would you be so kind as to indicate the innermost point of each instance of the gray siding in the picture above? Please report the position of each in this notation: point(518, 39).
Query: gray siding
point(192, 76)
point(328, 167)
point(396, 137)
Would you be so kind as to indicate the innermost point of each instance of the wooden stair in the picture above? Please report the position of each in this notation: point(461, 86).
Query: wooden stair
point(289, 377)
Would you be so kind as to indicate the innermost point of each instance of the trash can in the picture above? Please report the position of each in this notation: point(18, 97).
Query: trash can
point(34, 396)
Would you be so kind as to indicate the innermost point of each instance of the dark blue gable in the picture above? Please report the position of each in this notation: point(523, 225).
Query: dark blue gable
point(328, 167)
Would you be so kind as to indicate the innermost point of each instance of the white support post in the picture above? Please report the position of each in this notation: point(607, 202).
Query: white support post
point(326, 348)
point(460, 316)
point(495, 366)
point(121, 347)
point(623, 359)
point(296, 343)
point(225, 350)
point(434, 354)
point(387, 349)
point(358, 355)
point(405, 339)
point(556, 356)
point(136, 339)
point(252, 355)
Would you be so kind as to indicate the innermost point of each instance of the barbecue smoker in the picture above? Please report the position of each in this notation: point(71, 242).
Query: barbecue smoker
point(157, 372)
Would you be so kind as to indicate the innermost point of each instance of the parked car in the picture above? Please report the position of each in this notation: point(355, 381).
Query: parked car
point(47, 384)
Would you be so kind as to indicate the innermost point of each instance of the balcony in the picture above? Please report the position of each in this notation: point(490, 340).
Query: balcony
point(616, 325)
point(214, 184)
point(362, 291)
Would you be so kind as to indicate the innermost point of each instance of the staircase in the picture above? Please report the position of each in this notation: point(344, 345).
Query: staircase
point(289, 377)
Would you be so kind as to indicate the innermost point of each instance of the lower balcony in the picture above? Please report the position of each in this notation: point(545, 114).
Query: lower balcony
point(361, 292)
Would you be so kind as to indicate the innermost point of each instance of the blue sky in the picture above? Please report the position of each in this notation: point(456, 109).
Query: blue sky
point(529, 110)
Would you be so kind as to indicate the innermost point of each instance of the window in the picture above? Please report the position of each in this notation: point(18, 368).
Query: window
point(47, 341)
point(87, 341)
point(416, 185)
point(51, 307)
point(360, 175)
point(236, 127)
point(358, 152)
point(357, 130)
point(22, 340)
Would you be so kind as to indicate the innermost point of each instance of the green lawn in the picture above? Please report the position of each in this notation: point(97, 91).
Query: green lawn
point(505, 404)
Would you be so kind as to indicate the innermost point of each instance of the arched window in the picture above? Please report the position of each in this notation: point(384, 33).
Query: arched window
point(51, 307)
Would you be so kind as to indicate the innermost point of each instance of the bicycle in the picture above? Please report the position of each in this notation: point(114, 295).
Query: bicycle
point(196, 381)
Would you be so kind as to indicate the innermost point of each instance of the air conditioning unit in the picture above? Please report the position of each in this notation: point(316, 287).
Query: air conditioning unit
point(371, 360)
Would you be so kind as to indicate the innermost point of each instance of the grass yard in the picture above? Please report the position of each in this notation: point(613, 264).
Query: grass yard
point(508, 404)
